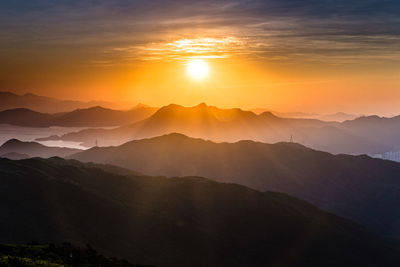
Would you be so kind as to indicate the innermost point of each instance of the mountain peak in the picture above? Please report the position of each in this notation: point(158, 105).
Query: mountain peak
point(268, 114)
point(96, 108)
point(7, 93)
point(12, 141)
point(170, 136)
point(201, 105)
point(174, 136)
point(20, 110)
point(15, 142)
point(141, 105)
point(171, 106)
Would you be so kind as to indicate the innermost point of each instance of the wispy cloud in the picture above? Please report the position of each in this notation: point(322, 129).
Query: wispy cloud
point(185, 48)
point(292, 30)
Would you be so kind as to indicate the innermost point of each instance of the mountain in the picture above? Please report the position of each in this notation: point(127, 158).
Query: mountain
point(99, 116)
point(293, 115)
point(25, 117)
point(14, 155)
point(89, 117)
point(187, 221)
point(16, 149)
point(205, 122)
point(231, 125)
point(378, 129)
point(339, 116)
point(45, 104)
point(357, 187)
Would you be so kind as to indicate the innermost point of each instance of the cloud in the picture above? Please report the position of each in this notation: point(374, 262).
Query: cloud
point(293, 30)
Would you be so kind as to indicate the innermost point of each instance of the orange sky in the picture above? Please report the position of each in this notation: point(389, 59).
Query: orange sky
point(280, 59)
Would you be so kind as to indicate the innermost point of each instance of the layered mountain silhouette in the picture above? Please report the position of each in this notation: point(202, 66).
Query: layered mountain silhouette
point(338, 116)
point(25, 117)
point(14, 155)
point(357, 187)
point(89, 117)
point(296, 115)
point(16, 149)
point(364, 135)
point(200, 121)
point(230, 125)
point(45, 104)
point(378, 129)
point(187, 221)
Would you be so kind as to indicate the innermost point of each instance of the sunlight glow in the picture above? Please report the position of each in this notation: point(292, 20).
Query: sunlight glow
point(197, 69)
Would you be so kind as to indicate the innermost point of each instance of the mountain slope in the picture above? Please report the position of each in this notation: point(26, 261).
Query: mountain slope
point(226, 125)
point(175, 221)
point(88, 117)
point(231, 125)
point(357, 187)
point(44, 104)
point(14, 155)
point(25, 117)
point(339, 116)
point(378, 129)
point(33, 149)
point(99, 116)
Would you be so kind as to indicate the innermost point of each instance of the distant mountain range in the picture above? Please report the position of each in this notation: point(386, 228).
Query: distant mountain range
point(187, 221)
point(88, 117)
point(45, 104)
point(202, 121)
point(363, 135)
point(15, 149)
point(339, 116)
point(357, 187)
point(230, 125)
point(295, 115)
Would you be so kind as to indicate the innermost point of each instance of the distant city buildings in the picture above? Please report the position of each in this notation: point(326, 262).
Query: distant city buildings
point(394, 156)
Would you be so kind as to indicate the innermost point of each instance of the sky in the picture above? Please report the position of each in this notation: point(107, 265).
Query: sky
point(285, 55)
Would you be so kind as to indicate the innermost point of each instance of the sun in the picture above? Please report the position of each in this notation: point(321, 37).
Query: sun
point(197, 69)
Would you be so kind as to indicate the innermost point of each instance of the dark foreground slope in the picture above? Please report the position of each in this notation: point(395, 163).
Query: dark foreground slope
point(51, 255)
point(357, 187)
point(175, 221)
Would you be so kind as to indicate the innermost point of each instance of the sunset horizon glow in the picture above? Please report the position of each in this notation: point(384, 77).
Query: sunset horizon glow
point(285, 56)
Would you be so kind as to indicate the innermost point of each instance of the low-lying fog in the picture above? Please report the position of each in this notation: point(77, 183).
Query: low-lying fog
point(31, 133)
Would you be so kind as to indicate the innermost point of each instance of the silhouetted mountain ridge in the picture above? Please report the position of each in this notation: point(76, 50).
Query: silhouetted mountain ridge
point(187, 221)
point(201, 121)
point(33, 149)
point(96, 116)
point(357, 187)
point(365, 135)
point(45, 104)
